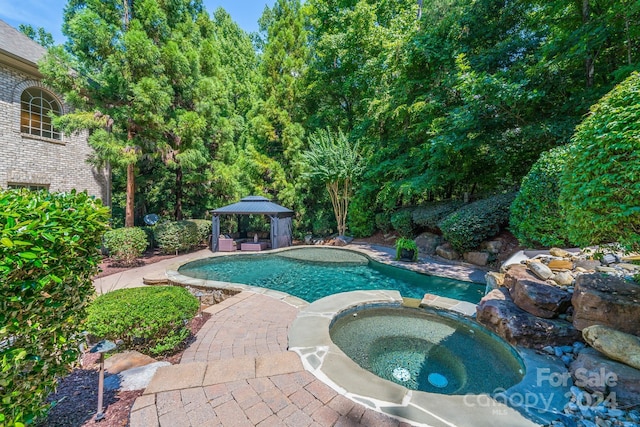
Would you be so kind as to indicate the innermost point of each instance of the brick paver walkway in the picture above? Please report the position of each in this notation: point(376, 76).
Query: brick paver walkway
point(238, 372)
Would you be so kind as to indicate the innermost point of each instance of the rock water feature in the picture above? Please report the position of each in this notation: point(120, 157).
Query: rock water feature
point(559, 301)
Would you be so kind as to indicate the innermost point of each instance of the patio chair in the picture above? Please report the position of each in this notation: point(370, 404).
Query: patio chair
point(226, 244)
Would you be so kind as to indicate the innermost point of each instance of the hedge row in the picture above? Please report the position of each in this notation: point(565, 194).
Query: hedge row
point(49, 251)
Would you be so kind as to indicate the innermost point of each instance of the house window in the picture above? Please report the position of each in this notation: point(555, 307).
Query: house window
point(35, 106)
point(32, 187)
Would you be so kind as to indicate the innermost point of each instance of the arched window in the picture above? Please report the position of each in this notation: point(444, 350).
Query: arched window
point(35, 106)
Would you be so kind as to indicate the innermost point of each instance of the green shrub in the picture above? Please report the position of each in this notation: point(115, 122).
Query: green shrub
point(49, 251)
point(150, 320)
point(429, 216)
point(402, 222)
point(175, 236)
point(383, 222)
point(600, 190)
point(536, 218)
point(470, 225)
point(204, 229)
point(126, 244)
point(361, 218)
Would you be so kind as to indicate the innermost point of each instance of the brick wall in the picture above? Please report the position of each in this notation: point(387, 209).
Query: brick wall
point(24, 159)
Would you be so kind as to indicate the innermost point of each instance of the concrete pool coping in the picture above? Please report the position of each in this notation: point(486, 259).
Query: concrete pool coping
point(309, 338)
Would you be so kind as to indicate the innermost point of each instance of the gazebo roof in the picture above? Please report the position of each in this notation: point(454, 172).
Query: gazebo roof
point(254, 205)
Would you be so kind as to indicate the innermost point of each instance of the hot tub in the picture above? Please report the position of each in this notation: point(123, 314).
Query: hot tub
point(426, 351)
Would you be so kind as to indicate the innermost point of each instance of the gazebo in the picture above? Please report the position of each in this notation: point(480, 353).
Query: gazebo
point(281, 230)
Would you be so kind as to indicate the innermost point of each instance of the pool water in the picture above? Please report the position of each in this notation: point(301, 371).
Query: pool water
point(314, 273)
point(426, 351)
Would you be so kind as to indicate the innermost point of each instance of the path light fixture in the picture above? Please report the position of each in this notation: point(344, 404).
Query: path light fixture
point(102, 347)
point(199, 295)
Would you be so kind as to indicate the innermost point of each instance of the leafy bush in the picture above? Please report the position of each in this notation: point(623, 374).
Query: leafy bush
point(429, 216)
point(361, 218)
point(126, 244)
point(175, 236)
point(601, 182)
point(49, 251)
point(470, 225)
point(536, 217)
point(383, 222)
point(402, 222)
point(150, 320)
point(204, 229)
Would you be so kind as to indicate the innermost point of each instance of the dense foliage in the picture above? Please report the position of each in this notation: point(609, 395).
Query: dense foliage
point(150, 320)
point(126, 244)
point(453, 103)
point(429, 215)
point(536, 216)
point(470, 225)
point(49, 251)
point(176, 236)
point(601, 184)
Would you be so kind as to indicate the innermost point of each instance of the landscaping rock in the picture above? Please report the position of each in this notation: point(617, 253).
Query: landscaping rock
point(560, 253)
point(539, 269)
point(597, 373)
point(447, 252)
point(606, 300)
point(616, 345)
point(499, 313)
point(560, 264)
point(477, 258)
point(492, 246)
point(539, 298)
point(587, 264)
point(494, 281)
point(126, 360)
point(428, 242)
point(563, 278)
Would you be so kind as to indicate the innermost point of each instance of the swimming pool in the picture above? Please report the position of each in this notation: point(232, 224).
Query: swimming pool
point(314, 273)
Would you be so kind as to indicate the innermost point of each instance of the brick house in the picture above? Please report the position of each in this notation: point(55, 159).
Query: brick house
point(34, 153)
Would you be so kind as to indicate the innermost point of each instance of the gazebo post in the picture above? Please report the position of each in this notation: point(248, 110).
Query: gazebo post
point(274, 231)
point(215, 232)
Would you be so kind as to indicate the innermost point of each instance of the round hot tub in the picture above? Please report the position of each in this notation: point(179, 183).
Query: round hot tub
point(426, 351)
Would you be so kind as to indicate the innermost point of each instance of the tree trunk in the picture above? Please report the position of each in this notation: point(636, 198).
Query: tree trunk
point(131, 187)
point(589, 61)
point(177, 213)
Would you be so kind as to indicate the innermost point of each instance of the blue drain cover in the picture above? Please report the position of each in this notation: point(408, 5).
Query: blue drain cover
point(438, 380)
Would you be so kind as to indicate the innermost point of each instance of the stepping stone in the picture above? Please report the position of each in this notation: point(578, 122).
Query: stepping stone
point(126, 360)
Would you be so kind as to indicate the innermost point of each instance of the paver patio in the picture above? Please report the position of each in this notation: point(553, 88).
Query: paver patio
point(238, 372)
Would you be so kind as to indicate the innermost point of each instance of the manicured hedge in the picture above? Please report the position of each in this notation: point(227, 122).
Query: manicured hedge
point(150, 320)
point(600, 191)
point(430, 215)
point(49, 251)
point(175, 236)
point(536, 217)
point(204, 229)
point(470, 225)
point(126, 244)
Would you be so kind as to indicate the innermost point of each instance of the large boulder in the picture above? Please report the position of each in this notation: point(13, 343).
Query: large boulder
point(616, 345)
point(606, 300)
point(428, 242)
point(499, 313)
point(534, 295)
point(446, 251)
point(599, 374)
point(476, 257)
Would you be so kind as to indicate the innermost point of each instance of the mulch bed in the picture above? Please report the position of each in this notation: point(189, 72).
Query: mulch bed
point(76, 397)
point(109, 266)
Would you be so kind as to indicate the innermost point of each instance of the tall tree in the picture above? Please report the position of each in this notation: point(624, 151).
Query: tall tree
point(122, 54)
